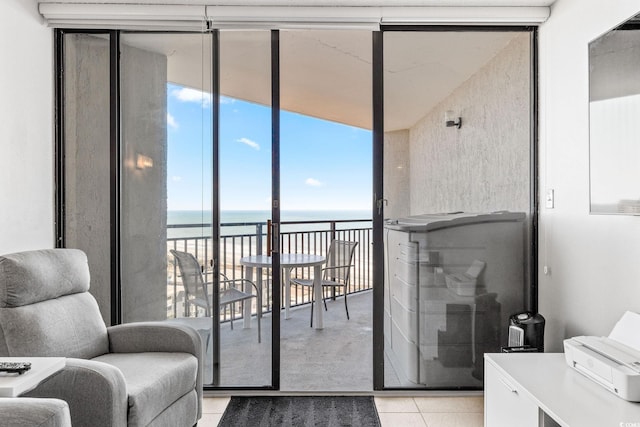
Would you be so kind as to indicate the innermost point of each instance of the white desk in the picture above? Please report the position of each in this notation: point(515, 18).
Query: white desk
point(12, 385)
point(521, 388)
point(288, 262)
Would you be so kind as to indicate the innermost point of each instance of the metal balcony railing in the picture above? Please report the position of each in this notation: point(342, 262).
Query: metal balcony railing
point(250, 238)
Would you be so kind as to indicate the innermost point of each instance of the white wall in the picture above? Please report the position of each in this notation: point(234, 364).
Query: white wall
point(26, 128)
point(594, 259)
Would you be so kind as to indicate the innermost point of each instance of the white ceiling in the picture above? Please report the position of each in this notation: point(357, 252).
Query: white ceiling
point(323, 2)
point(327, 74)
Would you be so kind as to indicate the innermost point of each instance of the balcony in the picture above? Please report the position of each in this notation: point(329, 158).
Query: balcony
point(304, 351)
point(250, 238)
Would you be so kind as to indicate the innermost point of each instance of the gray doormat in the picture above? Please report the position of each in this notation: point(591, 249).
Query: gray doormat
point(294, 411)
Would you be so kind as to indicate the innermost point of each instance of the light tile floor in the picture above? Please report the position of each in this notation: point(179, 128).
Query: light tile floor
point(393, 411)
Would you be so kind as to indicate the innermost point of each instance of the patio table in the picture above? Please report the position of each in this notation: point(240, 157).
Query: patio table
point(287, 263)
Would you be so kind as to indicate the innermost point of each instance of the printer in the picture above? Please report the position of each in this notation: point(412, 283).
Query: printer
point(614, 361)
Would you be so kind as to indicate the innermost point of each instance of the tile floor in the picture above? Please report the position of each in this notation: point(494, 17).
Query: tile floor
point(394, 411)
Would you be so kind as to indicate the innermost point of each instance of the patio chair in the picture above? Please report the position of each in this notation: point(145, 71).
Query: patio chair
point(335, 274)
point(196, 293)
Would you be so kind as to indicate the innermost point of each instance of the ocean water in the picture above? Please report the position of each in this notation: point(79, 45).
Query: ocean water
point(236, 222)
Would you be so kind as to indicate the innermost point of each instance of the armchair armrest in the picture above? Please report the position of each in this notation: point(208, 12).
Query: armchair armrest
point(95, 392)
point(141, 337)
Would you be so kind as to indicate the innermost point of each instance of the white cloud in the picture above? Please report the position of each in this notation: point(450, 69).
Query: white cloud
point(171, 121)
point(192, 95)
point(249, 142)
point(227, 100)
point(313, 182)
point(176, 178)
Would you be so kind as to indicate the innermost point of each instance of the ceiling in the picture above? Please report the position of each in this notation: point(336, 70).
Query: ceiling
point(327, 74)
point(323, 2)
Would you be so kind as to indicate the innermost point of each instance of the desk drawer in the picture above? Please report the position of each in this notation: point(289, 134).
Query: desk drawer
point(506, 403)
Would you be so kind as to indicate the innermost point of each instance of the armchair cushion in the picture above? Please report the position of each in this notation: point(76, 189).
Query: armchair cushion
point(51, 328)
point(45, 306)
point(27, 412)
point(34, 276)
point(143, 337)
point(154, 381)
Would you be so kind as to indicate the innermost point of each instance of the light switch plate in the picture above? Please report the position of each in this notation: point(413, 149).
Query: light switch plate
point(549, 199)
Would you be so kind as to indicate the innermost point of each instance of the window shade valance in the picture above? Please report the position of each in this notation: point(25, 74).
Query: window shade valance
point(195, 18)
point(124, 16)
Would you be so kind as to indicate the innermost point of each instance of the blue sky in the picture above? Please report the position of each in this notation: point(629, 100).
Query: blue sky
point(324, 165)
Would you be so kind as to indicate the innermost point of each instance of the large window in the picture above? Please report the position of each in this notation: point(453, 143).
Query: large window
point(414, 143)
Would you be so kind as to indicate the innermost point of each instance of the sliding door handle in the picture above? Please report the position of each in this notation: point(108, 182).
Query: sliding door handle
point(275, 238)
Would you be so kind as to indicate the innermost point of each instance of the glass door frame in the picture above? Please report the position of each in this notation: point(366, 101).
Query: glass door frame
point(114, 156)
point(275, 212)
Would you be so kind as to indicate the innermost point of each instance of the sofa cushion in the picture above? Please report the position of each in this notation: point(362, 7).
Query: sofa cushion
point(69, 326)
point(154, 381)
point(34, 276)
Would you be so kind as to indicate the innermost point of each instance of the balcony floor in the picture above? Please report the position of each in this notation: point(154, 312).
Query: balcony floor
point(336, 358)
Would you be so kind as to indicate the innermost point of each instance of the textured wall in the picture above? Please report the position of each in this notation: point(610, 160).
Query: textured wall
point(396, 173)
point(144, 191)
point(614, 59)
point(484, 166)
point(87, 188)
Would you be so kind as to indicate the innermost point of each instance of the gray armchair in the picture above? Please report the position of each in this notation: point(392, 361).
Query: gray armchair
point(137, 374)
point(28, 412)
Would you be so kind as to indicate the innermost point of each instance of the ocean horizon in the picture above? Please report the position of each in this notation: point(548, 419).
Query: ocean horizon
point(251, 217)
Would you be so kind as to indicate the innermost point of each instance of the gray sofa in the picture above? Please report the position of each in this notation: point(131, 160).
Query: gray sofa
point(28, 412)
point(137, 374)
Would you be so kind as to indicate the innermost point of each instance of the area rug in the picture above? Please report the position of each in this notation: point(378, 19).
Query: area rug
point(306, 411)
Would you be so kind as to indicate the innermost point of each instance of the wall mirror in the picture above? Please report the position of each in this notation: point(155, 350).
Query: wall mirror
point(614, 115)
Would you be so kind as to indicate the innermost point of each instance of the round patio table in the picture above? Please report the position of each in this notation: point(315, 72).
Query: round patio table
point(287, 263)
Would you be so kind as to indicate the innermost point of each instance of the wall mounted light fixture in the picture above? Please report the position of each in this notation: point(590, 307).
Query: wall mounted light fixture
point(451, 119)
point(143, 162)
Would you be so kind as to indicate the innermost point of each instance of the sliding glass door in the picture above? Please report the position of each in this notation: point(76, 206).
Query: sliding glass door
point(166, 179)
point(245, 184)
point(326, 173)
point(196, 172)
point(167, 143)
point(458, 189)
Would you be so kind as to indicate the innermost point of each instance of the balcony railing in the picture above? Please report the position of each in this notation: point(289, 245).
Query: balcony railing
point(250, 238)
